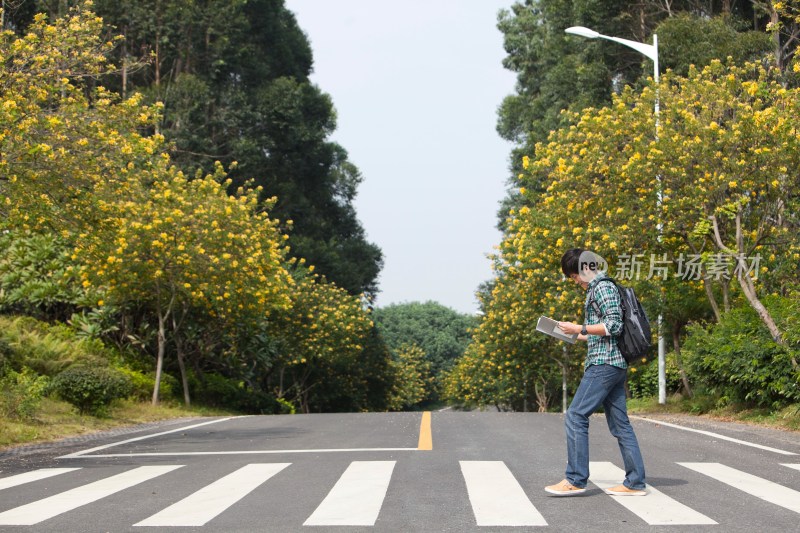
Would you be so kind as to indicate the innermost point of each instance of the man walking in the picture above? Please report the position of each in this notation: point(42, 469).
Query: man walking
point(603, 381)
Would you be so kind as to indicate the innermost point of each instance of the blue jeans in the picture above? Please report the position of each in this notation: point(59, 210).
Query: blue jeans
point(601, 385)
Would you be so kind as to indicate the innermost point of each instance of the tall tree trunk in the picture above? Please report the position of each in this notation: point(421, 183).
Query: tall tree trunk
point(162, 341)
point(726, 294)
point(180, 354)
point(676, 347)
point(157, 81)
point(541, 396)
point(711, 299)
point(746, 283)
point(707, 284)
point(774, 19)
point(163, 316)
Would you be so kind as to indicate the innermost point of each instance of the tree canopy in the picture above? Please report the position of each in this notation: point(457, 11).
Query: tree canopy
point(187, 273)
point(233, 77)
point(695, 207)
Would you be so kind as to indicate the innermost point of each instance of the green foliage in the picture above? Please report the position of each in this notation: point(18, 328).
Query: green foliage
point(91, 389)
point(47, 349)
point(142, 384)
point(8, 357)
point(643, 378)
point(36, 277)
point(688, 39)
point(442, 333)
point(234, 80)
point(21, 393)
point(738, 362)
point(413, 383)
point(109, 221)
point(215, 390)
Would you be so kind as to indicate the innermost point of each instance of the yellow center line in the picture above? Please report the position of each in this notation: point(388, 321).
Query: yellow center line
point(425, 439)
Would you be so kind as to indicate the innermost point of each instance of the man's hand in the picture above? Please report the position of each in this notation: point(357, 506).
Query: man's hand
point(569, 328)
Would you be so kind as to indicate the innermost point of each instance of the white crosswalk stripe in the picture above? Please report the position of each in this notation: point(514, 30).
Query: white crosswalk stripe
point(357, 497)
point(210, 501)
point(753, 485)
point(35, 475)
point(657, 509)
point(497, 498)
point(41, 510)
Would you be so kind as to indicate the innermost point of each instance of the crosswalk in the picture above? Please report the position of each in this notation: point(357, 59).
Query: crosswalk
point(495, 495)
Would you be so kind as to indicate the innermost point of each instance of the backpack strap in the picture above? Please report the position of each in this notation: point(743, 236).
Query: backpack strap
point(592, 302)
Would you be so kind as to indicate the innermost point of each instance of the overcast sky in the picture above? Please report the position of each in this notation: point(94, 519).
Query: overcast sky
point(416, 85)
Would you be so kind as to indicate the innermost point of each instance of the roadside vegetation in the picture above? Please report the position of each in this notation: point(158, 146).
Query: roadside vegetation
point(151, 250)
point(695, 206)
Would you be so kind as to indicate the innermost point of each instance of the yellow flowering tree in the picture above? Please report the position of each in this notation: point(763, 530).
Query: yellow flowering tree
point(509, 364)
point(175, 246)
point(60, 135)
point(163, 251)
point(322, 335)
point(718, 180)
point(413, 380)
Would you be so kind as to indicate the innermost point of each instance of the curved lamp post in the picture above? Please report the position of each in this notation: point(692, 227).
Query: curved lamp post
point(650, 51)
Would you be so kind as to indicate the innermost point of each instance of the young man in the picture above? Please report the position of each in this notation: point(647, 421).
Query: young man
point(603, 381)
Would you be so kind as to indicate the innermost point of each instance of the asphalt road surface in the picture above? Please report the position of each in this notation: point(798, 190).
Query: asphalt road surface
point(398, 472)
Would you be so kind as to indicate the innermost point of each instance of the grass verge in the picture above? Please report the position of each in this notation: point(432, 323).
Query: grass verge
point(56, 420)
point(787, 418)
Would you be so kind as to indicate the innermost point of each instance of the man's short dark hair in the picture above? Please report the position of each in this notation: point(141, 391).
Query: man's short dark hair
point(570, 260)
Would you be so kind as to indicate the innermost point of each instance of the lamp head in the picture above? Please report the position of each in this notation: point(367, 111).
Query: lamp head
point(583, 32)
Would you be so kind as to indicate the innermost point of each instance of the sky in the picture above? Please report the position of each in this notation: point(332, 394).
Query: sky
point(416, 85)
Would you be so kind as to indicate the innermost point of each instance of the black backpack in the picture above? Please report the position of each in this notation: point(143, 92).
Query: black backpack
point(634, 340)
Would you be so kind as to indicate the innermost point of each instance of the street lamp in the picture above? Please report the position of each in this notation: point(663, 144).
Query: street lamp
point(650, 51)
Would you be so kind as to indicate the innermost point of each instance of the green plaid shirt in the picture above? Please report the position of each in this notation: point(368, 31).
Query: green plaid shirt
point(604, 350)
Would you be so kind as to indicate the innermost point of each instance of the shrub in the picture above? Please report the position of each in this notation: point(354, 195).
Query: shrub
point(36, 277)
point(737, 360)
point(21, 393)
point(218, 391)
point(49, 349)
point(91, 389)
point(6, 356)
point(142, 384)
point(643, 378)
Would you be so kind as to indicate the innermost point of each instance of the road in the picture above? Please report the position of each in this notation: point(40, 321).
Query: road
point(398, 472)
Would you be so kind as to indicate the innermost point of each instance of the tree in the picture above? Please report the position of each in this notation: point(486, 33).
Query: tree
point(234, 80)
point(322, 336)
point(723, 160)
point(175, 244)
point(719, 180)
point(508, 364)
point(743, 171)
point(556, 73)
point(413, 378)
point(176, 264)
point(440, 332)
point(61, 136)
